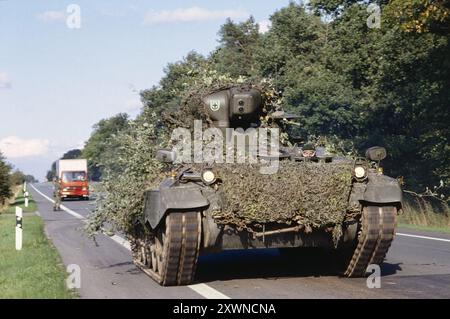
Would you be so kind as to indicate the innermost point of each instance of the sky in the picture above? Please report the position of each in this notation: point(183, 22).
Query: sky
point(65, 65)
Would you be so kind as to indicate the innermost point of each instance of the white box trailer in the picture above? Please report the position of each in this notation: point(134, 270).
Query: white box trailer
point(73, 176)
point(71, 165)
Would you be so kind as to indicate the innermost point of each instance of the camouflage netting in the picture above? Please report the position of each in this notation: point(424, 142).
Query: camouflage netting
point(309, 194)
point(312, 195)
point(135, 168)
point(192, 107)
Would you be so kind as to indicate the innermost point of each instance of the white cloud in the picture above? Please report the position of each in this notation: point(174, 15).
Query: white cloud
point(16, 147)
point(5, 82)
point(264, 26)
point(50, 16)
point(190, 15)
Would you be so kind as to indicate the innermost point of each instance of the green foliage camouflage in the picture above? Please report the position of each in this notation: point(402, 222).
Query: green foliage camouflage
point(191, 105)
point(134, 168)
point(313, 195)
point(320, 191)
point(121, 191)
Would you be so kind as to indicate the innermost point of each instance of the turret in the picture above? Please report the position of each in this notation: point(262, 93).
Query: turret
point(234, 108)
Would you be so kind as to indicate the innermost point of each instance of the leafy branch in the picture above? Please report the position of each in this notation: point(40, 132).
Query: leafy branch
point(431, 193)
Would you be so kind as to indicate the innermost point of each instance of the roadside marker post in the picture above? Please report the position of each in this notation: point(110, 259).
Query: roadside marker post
point(26, 199)
point(19, 215)
point(24, 187)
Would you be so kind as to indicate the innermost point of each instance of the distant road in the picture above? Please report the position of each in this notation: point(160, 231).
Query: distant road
point(417, 266)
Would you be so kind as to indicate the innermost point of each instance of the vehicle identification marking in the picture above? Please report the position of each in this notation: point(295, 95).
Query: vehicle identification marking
point(214, 105)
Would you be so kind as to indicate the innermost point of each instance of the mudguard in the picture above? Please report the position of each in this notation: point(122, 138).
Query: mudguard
point(383, 189)
point(158, 202)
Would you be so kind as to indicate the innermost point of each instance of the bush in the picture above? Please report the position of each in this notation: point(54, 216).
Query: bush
point(133, 170)
point(5, 181)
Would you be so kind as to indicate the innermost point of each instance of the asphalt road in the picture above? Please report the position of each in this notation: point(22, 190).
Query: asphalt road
point(415, 267)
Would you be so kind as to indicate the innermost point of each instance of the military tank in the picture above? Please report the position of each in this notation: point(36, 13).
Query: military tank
point(314, 200)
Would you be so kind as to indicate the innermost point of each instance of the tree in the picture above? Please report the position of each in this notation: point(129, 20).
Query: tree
point(238, 44)
point(5, 182)
point(332, 7)
point(72, 154)
point(421, 16)
point(18, 178)
point(51, 174)
point(101, 144)
point(166, 96)
point(296, 52)
point(294, 40)
point(31, 179)
point(398, 76)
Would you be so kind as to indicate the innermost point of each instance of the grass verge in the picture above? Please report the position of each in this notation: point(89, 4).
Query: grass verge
point(36, 271)
point(427, 215)
point(20, 201)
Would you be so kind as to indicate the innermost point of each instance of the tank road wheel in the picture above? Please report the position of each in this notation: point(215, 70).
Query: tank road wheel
point(170, 255)
point(374, 239)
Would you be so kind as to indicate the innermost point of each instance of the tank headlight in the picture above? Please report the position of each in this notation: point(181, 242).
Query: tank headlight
point(360, 172)
point(208, 177)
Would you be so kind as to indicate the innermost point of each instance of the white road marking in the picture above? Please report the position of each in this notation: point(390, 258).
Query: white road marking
point(67, 210)
point(208, 292)
point(202, 289)
point(121, 241)
point(423, 237)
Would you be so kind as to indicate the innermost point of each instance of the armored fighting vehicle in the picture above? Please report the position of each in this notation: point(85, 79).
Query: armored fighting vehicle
point(313, 200)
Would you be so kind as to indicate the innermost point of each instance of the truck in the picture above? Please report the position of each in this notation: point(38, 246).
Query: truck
point(73, 176)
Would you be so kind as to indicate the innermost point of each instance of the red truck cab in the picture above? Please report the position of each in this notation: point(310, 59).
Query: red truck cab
point(74, 184)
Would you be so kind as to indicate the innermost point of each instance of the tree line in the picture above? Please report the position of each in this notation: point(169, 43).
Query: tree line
point(100, 147)
point(351, 83)
point(10, 178)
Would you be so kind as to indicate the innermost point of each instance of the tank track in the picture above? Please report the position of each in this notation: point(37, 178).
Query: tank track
point(374, 239)
point(169, 256)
